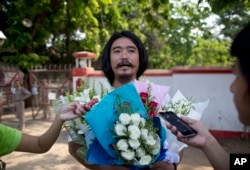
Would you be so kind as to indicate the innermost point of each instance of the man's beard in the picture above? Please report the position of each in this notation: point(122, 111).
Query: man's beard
point(125, 78)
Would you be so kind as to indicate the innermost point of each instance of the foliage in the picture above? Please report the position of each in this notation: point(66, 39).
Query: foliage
point(57, 22)
point(25, 61)
point(223, 5)
point(61, 27)
point(182, 106)
point(92, 88)
point(233, 19)
point(186, 30)
point(210, 53)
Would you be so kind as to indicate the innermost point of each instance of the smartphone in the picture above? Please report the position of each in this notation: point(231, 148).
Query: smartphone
point(182, 127)
point(90, 103)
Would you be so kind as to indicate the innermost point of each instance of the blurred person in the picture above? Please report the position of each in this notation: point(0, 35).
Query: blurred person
point(44, 98)
point(2, 101)
point(240, 88)
point(20, 94)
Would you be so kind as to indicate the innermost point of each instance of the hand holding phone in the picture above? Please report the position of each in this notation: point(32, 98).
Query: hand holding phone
point(90, 104)
point(182, 127)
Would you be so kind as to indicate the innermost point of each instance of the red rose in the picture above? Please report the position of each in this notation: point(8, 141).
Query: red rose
point(153, 105)
point(144, 97)
point(152, 114)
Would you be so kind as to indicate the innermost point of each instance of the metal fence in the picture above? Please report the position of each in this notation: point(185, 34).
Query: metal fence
point(48, 83)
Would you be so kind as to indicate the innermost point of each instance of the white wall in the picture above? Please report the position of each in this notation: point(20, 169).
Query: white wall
point(221, 113)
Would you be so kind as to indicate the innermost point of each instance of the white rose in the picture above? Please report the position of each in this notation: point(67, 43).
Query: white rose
point(150, 140)
point(134, 132)
point(120, 130)
point(145, 160)
point(133, 143)
point(128, 155)
point(122, 145)
point(124, 118)
point(140, 152)
point(142, 122)
point(157, 146)
point(135, 118)
point(144, 133)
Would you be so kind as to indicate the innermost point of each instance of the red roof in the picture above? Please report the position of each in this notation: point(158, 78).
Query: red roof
point(84, 54)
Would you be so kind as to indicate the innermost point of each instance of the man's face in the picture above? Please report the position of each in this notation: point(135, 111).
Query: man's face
point(241, 97)
point(124, 58)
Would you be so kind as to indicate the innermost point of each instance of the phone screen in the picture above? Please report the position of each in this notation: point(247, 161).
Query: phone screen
point(181, 126)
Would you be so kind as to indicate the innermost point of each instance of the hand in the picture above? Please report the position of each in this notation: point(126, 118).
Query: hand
point(72, 110)
point(198, 140)
point(162, 165)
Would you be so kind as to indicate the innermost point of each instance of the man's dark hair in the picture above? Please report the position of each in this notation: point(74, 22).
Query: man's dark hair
point(105, 56)
point(240, 49)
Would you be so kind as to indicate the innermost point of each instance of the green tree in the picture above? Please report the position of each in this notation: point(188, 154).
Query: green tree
point(186, 24)
point(232, 15)
point(223, 5)
point(210, 53)
point(57, 21)
point(172, 32)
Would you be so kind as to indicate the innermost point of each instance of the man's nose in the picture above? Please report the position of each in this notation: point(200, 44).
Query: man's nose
point(124, 54)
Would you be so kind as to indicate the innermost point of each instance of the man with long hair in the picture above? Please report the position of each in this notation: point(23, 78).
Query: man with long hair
point(123, 60)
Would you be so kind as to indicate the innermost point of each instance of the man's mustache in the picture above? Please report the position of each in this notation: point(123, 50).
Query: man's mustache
point(124, 63)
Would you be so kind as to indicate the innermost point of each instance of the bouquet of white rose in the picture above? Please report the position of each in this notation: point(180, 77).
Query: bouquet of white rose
point(127, 134)
point(136, 139)
point(123, 128)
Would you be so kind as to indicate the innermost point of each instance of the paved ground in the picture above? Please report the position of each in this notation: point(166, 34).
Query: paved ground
point(59, 159)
